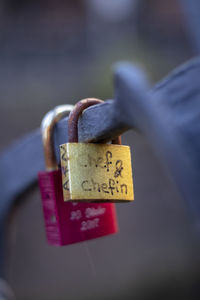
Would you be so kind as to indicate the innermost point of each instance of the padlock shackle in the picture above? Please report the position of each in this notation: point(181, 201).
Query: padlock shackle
point(47, 127)
point(74, 116)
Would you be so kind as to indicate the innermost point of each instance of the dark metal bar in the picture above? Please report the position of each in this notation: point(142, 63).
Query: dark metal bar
point(168, 115)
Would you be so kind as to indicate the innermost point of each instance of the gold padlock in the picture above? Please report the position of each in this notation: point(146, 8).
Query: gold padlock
point(94, 172)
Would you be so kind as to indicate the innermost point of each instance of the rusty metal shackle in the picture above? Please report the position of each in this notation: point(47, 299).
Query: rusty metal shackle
point(74, 116)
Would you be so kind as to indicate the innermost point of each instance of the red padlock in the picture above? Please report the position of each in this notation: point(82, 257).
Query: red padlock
point(67, 222)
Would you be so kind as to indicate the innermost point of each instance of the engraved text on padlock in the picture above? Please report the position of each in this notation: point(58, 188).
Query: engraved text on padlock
point(99, 172)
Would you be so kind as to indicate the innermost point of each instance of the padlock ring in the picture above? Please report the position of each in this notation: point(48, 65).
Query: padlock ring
point(74, 116)
point(47, 128)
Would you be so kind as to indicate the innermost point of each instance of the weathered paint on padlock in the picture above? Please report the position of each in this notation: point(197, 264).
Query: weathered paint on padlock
point(67, 223)
point(96, 172)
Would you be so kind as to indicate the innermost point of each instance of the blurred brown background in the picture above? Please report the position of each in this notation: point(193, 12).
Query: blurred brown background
point(55, 52)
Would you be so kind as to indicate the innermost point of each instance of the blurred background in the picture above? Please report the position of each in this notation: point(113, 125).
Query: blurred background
point(55, 52)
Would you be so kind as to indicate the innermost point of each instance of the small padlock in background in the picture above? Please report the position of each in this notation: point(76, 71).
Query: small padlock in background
point(94, 172)
point(66, 222)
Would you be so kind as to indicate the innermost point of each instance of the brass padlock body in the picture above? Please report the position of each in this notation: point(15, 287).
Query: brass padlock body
point(96, 172)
